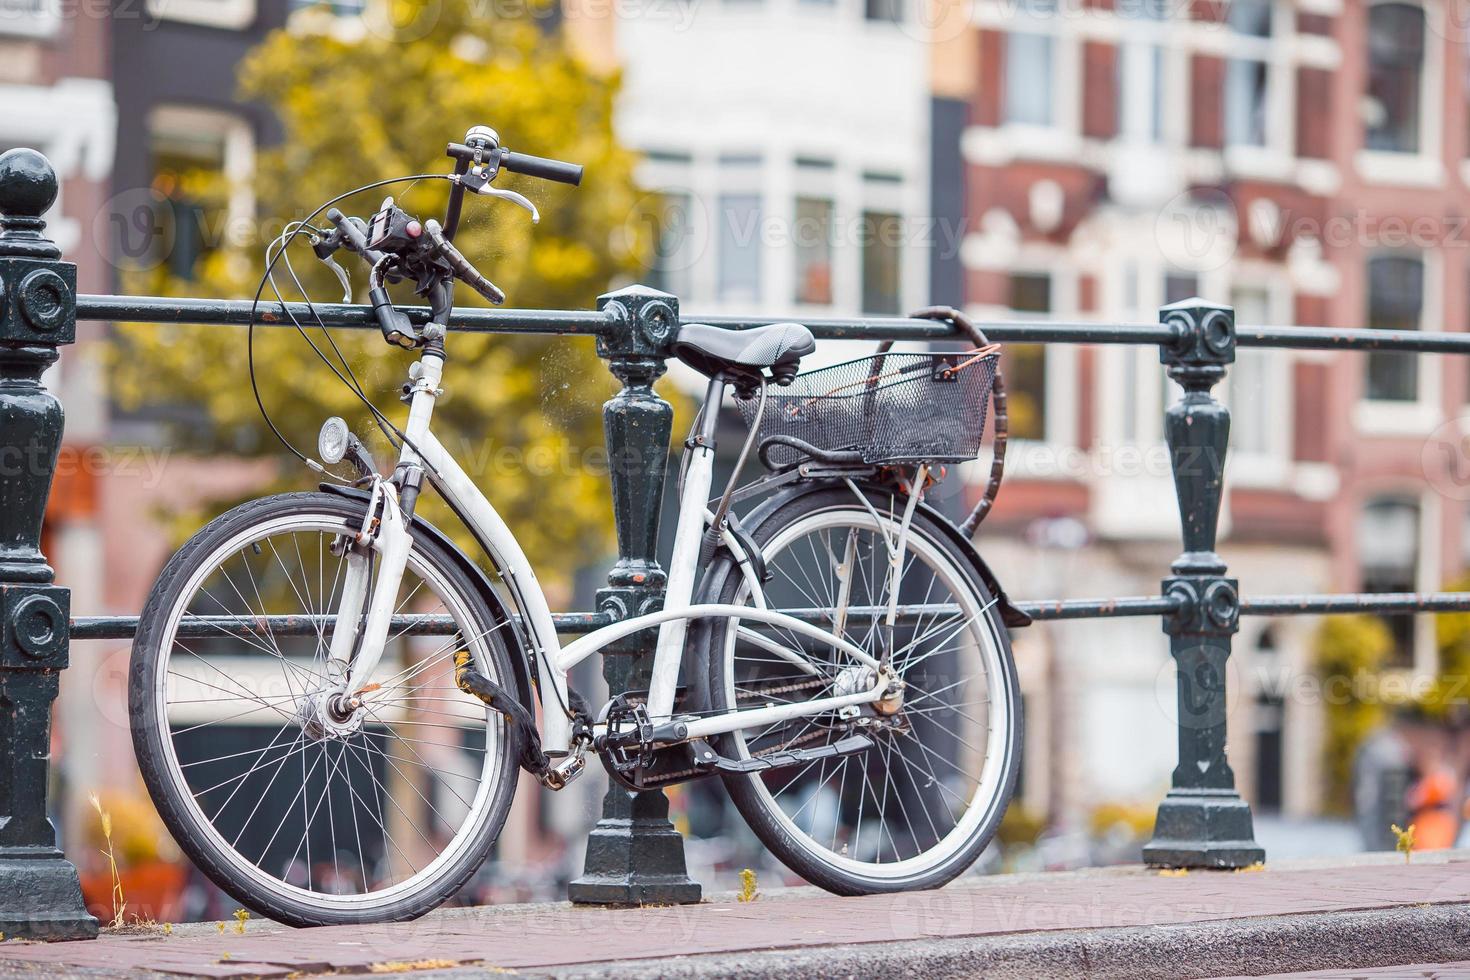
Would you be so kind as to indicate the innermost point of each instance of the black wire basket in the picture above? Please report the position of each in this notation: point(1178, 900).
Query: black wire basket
point(890, 408)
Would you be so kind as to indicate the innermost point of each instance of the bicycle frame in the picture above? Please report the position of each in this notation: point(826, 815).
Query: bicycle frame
point(392, 541)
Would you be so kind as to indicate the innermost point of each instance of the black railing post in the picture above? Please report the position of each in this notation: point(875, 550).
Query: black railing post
point(634, 854)
point(1202, 822)
point(40, 896)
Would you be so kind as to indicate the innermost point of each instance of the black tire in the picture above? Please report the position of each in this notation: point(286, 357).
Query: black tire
point(157, 761)
point(797, 851)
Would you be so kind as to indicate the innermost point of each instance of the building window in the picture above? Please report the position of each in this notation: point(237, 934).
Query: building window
point(1392, 108)
point(228, 14)
point(29, 18)
point(1030, 66)
point(342, 8)
point(1180, 286)
point(889, 11)
point(1140, 71)
point(1395, 302)
point(673, 243)
point(812, 238)
point(1025, 364)
point(202, 161)
point(1388, 552)
point(1255, 411)
point(1248, 73)
point(882, 234)
point(740, 248)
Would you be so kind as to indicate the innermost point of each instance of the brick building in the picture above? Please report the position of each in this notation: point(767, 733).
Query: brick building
point(1303, 160)
point(56, 96)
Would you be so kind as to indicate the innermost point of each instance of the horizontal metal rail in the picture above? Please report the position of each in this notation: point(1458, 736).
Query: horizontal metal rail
point(161, 309)
point(164, 309)
point(1356, 602)
point(125, 627)
point(577, 623)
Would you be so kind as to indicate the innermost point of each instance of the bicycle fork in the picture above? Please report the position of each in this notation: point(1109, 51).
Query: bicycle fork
point(384, 539)
point(358, 640)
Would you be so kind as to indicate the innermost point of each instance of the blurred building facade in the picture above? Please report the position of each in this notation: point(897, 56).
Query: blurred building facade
point(56, 95)
point(1075, 159)
point(1305, 162)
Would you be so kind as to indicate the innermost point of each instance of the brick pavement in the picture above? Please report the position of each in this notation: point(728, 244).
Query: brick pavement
point(560, 936)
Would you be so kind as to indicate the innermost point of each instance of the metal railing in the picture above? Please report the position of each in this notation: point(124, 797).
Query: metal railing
point(634, 855)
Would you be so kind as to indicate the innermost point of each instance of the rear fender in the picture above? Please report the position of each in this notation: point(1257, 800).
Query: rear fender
point(714, 579)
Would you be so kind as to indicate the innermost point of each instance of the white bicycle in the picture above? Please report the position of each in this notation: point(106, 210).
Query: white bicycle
point(331, 702)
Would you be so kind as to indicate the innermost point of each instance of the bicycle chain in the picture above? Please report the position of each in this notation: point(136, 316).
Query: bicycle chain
point(812, 736)
point(669, 777)
point(783, 688)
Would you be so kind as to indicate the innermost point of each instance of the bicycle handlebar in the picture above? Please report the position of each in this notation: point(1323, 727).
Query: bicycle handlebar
point(351, 230)
point(543, 167)
point(463, 270)
point(519, 163)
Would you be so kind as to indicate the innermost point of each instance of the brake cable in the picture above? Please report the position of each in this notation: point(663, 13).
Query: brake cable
point(286, 242)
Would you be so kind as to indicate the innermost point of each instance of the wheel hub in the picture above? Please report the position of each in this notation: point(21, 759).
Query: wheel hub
point(330, 715)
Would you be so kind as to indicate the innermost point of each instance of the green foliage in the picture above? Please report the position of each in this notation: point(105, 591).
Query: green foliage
point(1452, 678)
point(1403, 840)
point(1349, 649)
point(522, 413)
point(1021, 826)
point(1133, 820)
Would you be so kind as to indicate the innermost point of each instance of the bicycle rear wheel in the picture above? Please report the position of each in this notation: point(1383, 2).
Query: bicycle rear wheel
point(299, 817)
point(918, 807)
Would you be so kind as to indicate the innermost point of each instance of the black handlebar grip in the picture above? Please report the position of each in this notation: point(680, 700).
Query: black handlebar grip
point(353, 236)
point(463, 270)
point(543, 167)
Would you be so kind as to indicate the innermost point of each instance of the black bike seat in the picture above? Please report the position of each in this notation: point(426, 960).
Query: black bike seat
point(741, 354)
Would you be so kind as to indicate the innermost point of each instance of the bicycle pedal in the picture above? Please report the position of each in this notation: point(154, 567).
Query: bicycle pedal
point(851, 745)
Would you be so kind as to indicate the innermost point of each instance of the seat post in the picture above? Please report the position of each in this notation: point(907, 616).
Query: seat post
point(709, 418)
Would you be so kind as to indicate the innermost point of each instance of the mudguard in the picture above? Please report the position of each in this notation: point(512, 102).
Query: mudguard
point(520, 659)
point(1009, 614)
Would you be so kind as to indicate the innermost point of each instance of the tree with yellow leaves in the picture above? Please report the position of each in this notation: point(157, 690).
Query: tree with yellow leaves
point(522, 414)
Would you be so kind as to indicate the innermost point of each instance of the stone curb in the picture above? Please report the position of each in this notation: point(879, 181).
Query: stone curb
point(1222, 948)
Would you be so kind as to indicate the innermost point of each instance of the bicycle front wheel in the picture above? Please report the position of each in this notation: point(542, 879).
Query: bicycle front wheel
point(916, 808)
point(300, 816)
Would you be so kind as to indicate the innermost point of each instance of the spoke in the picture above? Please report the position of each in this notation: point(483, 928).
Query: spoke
point(299, 745)
point(922, 779)
point(257, 699)
point(432, 769)
point(379, 791)
point(908, 771)
point(886, 749)
point(270, 633)
point(930, 753)
point(411, 785)
point(305, 603)
point(260, 754)
point(176, 732)
point(301, 795)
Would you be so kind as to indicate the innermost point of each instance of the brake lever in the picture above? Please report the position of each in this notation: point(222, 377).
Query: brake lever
point(477, 180)
point(342, 277)
point(514, 198)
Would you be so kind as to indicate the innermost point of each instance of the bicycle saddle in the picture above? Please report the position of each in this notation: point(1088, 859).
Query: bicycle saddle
point(742, 354)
